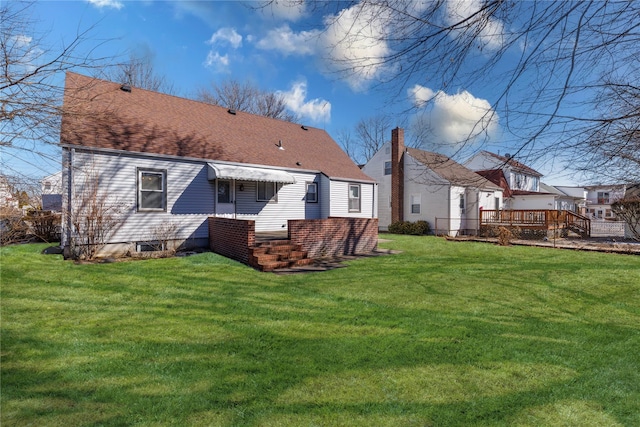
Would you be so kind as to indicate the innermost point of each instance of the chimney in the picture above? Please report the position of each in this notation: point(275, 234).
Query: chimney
point(397, 175)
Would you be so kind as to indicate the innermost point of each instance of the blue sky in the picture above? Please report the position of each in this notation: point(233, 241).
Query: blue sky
point(280, 49)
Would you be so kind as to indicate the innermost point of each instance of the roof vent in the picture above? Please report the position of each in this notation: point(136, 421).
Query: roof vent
point(507, 155)
point(125, 88)
point(279, 145)
point(303, 127)
point(231, 111)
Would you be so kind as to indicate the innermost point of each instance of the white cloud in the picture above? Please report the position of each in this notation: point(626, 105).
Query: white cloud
point(317, 110)
point(284, 40)
point(215, 60)
point(289, 10)
point(454, 119)
point(355, 42)
point(114, 4)
point(490, 33)
point(222, 37)
point(226, 35)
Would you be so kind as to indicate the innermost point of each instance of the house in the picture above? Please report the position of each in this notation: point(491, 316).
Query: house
point(600, 198)
point(158, 164)
point(572, 198)
point(7, 198)
point(51, 190)
point(522, 187)
point(416, 185)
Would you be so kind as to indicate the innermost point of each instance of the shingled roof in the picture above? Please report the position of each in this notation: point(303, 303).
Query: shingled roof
point(514, 164)
point(450, 170)
point(100, 114)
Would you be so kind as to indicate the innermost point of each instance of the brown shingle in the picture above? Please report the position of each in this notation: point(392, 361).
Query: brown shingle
point(450, 170)
point(99, 114)
point(515, 164)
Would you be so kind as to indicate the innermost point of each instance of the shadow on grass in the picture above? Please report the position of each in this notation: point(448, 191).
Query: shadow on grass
point(202, 341)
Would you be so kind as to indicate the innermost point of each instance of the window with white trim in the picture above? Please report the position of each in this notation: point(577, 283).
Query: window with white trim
point(266, 192)
point(415, 203)
point(387, 167)
point(354, 197)
point(312, 192)
point(462, 208)
point(152, 190)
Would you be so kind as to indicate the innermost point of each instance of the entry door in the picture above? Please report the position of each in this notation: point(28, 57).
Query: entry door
point(225, 200)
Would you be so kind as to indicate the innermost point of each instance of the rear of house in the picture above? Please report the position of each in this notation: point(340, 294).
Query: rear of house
point(154, 166)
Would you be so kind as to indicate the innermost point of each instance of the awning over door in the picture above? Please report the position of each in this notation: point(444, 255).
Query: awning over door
point(248, 173)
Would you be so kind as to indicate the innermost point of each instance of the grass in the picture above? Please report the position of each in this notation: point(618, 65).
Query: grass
point(443, 334)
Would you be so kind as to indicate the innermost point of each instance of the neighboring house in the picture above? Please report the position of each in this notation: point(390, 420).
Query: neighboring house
point(576, 196)
point(521, 184)
point(51, 189)
point(418, 185)
point(7, 199)
point(156, 160)
point(600, 198)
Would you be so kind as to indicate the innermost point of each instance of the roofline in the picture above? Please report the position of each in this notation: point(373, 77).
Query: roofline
point(201, 160)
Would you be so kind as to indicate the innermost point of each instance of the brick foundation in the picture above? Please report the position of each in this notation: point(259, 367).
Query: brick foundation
point(232, 238)
point(325, 238)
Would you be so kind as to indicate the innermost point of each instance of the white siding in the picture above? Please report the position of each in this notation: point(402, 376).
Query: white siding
point(190, 196)
point(533, 201)
point(375, 169)
point(339, 193)
point(433, 191)
point(272, 216)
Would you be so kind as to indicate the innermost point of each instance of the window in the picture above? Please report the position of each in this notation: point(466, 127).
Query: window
point(224, 192)
point(462, 203)
point(266, 192)
point(152, 190)
point(354, 197)
point(608, 213)
point(387, 168)
point(47, 185)
point(415, 203)
point(603, 197)
point(312, 192)
point(497, 203)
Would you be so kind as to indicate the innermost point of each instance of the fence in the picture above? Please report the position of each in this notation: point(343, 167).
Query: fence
point(602, 228)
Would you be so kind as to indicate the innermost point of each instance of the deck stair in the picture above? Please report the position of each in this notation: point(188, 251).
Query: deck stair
point(275, 254)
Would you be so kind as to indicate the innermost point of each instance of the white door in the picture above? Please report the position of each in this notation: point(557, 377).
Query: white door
point(225, 205)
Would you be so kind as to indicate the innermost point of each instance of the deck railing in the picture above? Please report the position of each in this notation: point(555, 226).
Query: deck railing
point(537, 218)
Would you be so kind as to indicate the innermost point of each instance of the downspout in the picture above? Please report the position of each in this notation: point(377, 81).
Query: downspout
point(448, 209)
point(67, 247)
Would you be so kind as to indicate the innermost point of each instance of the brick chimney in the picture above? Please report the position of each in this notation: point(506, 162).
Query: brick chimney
point(397, 175)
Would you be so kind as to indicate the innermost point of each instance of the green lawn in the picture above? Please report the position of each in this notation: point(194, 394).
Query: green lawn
point(443, 334)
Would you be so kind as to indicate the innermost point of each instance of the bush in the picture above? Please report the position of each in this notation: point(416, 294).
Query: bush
point(417, 228)
point(13, 229)
point(45, 225)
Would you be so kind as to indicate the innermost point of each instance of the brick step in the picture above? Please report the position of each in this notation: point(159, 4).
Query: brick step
point(270, 266)
point(276, 254)
point(301, 262)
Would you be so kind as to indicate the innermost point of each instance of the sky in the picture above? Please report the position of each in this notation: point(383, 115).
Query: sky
point(282, 49)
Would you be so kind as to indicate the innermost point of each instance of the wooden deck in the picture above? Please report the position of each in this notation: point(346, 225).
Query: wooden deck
point(537, 219)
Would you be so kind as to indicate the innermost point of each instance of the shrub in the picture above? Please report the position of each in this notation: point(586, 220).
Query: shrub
point(13, 229)
point(45, 225)
point(417, 228)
